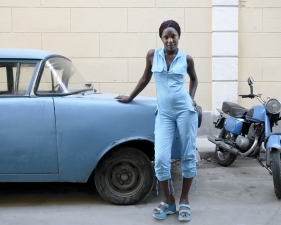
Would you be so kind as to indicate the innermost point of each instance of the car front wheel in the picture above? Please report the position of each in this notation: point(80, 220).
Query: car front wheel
point(124, 176)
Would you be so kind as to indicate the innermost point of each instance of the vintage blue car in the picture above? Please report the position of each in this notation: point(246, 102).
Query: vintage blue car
point(54, 127)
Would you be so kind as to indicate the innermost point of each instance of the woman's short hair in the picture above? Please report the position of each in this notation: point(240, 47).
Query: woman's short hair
point(169, 23)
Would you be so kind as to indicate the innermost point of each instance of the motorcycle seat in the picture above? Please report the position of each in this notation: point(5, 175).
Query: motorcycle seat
point(234, 109)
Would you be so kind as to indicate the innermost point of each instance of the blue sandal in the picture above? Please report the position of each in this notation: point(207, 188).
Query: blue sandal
point(170, 209)
point(187, 217)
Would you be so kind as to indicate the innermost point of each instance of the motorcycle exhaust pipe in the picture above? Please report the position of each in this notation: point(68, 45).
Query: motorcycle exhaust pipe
point(231, 149)
point(212, 139)
point(223, 145)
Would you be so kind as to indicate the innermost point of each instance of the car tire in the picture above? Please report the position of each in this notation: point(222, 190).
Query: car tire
point(124, 176)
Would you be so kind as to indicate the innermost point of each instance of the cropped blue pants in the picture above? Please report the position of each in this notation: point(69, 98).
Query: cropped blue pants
point(165, 126)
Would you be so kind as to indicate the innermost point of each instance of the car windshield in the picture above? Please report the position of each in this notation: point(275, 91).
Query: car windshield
point(60, 77)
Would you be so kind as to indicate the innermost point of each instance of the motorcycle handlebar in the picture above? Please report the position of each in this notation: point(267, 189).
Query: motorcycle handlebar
point(248, 96)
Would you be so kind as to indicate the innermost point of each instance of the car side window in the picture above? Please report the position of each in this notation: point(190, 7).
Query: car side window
point(15, 77)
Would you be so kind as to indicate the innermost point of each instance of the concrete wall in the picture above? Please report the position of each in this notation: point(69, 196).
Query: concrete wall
point(108, 40)
point(260, 48)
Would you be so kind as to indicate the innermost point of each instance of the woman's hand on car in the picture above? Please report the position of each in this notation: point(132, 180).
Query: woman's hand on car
point(123, 98)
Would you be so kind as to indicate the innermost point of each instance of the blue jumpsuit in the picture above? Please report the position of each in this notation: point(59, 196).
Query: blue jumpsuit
point(174, 110)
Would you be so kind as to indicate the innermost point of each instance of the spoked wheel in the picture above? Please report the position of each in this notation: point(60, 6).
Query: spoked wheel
point(276, 171)
point(124, 176)
point(223, 157)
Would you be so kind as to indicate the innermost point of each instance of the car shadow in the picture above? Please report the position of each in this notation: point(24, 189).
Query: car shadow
point(33, 194)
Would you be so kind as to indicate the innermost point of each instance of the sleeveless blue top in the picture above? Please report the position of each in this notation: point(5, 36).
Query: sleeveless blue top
point(172, 96)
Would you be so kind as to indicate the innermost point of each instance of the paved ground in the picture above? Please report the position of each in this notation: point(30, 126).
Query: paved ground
point(241, 194)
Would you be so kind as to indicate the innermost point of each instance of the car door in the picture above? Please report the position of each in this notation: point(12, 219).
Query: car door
point(27, 125)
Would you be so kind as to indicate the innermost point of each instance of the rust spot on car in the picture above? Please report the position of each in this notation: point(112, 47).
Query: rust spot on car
point(113, 143)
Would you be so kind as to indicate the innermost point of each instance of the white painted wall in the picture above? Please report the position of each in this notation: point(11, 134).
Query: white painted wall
point(224, 52)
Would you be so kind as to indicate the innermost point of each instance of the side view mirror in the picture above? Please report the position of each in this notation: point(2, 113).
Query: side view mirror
point(250, 81)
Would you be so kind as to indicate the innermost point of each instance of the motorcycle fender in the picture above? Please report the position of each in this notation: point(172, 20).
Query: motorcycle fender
point(273, 142)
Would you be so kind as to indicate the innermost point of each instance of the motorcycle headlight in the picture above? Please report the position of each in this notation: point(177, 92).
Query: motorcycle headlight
point(273, 106)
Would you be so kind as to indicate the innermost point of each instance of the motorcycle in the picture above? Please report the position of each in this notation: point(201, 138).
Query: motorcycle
point(248, 133)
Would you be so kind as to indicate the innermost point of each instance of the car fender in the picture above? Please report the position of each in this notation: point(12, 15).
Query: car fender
point(123, 141)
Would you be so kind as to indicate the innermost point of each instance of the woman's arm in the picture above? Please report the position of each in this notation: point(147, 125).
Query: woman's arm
point(193, 78)
point(144, 80)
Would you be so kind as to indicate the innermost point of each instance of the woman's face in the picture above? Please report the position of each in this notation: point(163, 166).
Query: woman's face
point(170, 39)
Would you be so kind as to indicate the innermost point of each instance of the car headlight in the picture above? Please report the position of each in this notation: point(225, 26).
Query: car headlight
point(273, 106)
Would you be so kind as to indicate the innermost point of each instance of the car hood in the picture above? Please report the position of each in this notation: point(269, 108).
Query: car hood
point(95, 95)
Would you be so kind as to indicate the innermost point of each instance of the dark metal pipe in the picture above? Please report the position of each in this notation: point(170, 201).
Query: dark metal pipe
point(212, 139)
point(223, 145)
point(231, 149)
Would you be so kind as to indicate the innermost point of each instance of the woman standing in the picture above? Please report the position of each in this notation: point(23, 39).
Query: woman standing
point(176, 108)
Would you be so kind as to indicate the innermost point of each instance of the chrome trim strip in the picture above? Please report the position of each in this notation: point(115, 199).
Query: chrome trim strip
point(34, 80)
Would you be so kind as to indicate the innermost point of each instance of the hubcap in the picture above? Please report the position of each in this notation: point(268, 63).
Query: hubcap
point(124, 176)
point(124, 179)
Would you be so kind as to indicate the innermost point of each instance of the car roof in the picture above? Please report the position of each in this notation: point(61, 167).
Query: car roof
point(19, 53)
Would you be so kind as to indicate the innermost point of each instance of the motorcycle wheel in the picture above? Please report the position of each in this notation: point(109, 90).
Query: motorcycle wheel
point(276, 171)
point(223, 157)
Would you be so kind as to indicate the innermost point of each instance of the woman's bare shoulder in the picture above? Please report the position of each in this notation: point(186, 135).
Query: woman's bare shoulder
point(150, 54)
point(189, 60)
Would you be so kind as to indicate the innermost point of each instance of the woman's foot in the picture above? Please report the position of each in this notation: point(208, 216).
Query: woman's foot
point(184, 212)
point(163, 210)
point(167, 206)
point(169, 200)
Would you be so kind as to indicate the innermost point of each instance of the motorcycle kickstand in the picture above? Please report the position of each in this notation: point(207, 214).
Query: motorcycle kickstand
point(263, 165)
